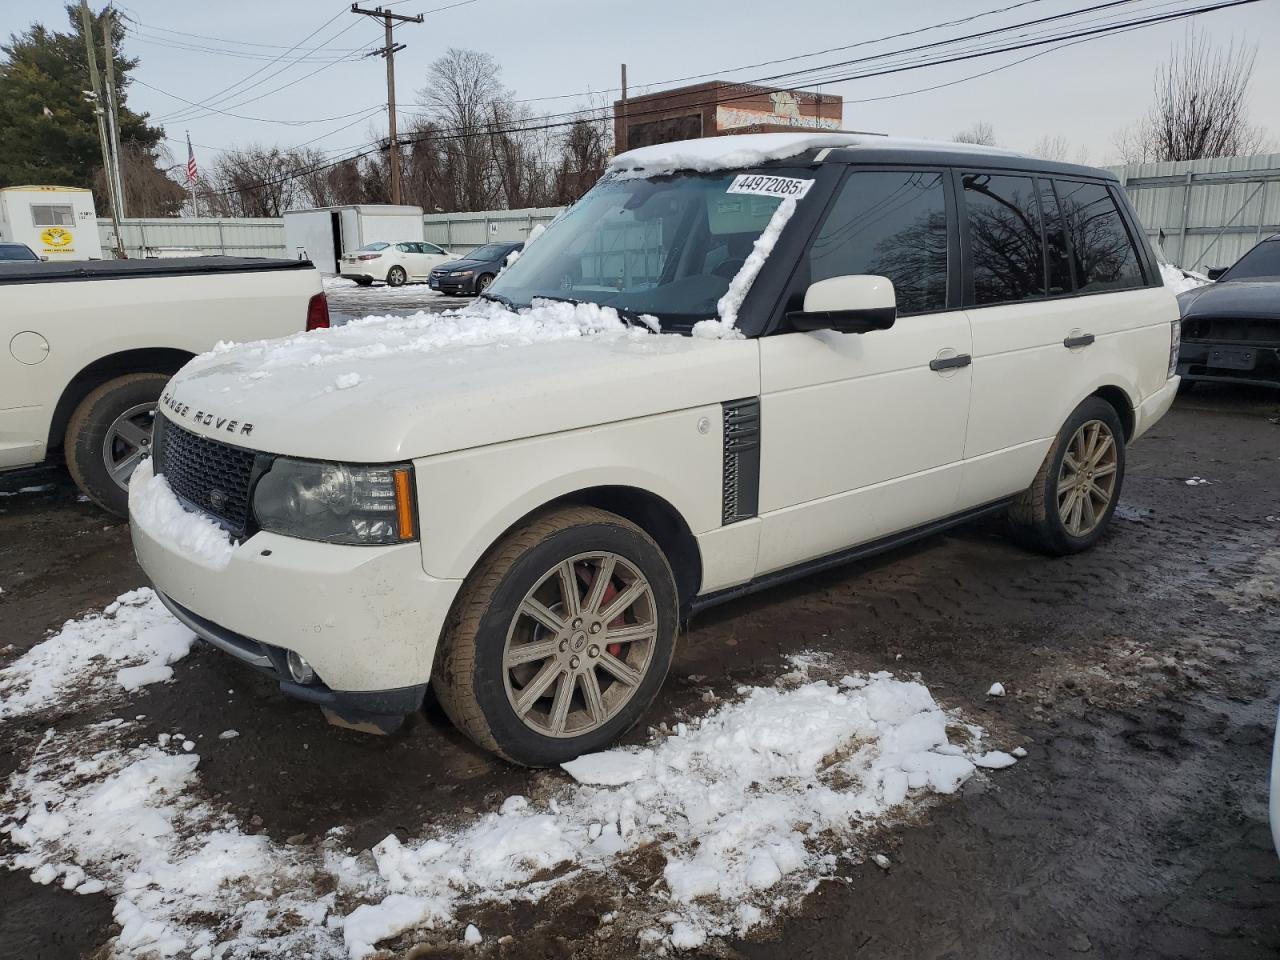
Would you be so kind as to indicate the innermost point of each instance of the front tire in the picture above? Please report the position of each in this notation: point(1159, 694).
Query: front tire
point(1071, 501)
point(109, 434)
point(396, 277)
point(482, 282)
point(561, 638)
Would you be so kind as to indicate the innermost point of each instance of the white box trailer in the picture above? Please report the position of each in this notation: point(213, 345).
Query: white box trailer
point(59, 223)
point(323, 234)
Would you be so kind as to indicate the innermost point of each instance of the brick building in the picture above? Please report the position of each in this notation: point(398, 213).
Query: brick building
point(717, 108)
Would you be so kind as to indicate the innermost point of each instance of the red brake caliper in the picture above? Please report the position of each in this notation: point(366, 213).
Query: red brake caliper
point(610, 591)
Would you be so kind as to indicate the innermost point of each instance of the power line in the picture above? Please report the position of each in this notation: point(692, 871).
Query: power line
point(1079, 35)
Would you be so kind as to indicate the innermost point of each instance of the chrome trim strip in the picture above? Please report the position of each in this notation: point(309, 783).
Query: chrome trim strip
point(214, 635)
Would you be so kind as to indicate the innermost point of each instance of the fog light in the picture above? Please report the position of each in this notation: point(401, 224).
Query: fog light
point(299, 669)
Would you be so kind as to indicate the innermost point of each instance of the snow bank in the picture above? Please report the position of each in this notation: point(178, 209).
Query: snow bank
point(736, 803)
point(154, 508)
point(132, 643)
point(1179, 280)
point(95, 817)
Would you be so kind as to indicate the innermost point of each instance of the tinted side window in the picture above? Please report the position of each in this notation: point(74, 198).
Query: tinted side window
point(1004, 237)
point(891, 224)
point(1105, 258)
point(1057, 253)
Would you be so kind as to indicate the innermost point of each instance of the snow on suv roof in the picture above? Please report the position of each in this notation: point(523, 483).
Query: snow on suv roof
point(751, 149)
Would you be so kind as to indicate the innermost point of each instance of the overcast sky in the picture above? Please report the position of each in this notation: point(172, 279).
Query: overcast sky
point(546, 48)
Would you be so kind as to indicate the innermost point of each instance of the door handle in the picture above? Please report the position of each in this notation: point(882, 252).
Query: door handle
point(1083, 340)
point(951, 363)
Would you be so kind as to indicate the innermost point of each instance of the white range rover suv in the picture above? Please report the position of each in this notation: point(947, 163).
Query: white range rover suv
point(733, 362)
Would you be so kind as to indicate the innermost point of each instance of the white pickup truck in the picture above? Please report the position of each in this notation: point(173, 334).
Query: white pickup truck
point(86, 348)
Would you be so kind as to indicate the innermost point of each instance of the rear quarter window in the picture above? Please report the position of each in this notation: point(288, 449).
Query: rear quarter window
point(1103, 253)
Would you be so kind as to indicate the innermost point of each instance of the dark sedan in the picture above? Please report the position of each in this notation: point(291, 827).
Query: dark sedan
point(473, 273)
point(1231, 328)
point(18, 251)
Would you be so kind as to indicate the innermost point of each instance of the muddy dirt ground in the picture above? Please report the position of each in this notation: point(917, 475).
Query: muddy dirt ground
point(1143, 680)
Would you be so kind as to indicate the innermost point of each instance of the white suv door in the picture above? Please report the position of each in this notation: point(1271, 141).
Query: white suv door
point(862, 435)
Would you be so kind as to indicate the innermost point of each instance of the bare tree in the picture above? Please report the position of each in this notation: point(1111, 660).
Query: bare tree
point(1200, 108)
point(981, 133)
point(148, 191)
point(1059, 148)
point(253, 181)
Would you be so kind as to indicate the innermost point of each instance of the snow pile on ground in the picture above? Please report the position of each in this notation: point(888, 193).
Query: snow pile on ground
point(728, 306)
point(94, 817)
point(130, 644)
point(737, 803)
point(1179, 281)
point(154, 508)
point(482, 323)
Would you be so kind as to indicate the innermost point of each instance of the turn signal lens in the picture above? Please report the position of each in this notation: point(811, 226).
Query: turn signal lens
point(404, 504)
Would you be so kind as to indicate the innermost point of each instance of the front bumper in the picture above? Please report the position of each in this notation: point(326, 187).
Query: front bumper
point(454, 287)
point(367, 619)
point(1203, 359)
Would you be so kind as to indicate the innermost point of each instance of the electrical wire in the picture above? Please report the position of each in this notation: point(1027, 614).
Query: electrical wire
point(1080, 35)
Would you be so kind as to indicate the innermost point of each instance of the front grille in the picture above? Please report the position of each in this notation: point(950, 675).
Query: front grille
point(213, 477)
point(741, 494)
point(1232, 330)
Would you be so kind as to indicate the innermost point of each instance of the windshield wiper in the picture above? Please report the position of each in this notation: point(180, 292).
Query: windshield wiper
point(627, 316)
point(497, 298)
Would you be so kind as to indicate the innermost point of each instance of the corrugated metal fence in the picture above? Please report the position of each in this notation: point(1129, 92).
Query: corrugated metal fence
point(1206, 213)
point(246, 237)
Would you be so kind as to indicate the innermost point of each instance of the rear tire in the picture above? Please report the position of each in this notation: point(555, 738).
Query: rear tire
point(109, 434)
point(1071, 501)
point(544, 687)
point(363, 281)
point(396, 277)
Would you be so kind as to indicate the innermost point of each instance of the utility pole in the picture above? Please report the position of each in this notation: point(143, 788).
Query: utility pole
point(113, 119)
point(94, 96)
point(389, 53)
point(622, 140)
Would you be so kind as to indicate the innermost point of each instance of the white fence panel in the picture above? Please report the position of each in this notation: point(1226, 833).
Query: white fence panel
point(186, 236)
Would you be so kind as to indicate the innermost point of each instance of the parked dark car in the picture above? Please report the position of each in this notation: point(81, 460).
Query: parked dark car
point(1231, 328)
point(473, 273)
point(17, 251)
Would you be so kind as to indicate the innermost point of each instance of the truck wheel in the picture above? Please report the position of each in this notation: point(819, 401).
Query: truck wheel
point(560, 639)
point(483, 281)
point(1069, 504)
point(108, 436)
point(396, 277)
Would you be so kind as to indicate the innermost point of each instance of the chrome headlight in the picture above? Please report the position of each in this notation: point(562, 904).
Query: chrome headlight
point(461, 273)
point(337, 502)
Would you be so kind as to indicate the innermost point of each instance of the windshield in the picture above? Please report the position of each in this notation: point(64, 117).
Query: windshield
point(1263, 261)
point(378, 245)
point(665, 246)
point(16, 251)
point(490, 251)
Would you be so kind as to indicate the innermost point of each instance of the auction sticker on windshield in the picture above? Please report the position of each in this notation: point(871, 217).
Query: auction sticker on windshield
point(760, 185)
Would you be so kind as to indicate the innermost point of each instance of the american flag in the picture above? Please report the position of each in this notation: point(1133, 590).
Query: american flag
point(191, 163)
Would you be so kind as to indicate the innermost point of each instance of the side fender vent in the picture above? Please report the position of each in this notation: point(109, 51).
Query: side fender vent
point(741, 460)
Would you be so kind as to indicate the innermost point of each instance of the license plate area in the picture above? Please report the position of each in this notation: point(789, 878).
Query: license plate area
point(1228, 358)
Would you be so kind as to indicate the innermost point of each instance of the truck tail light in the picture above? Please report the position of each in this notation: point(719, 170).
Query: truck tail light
point(318, 312)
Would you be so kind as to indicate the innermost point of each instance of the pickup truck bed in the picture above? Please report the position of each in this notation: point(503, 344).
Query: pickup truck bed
point(86, 349)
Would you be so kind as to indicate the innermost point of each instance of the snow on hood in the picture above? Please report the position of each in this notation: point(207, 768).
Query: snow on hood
point(1179, 280)
point(386, 388)
point(752, 149)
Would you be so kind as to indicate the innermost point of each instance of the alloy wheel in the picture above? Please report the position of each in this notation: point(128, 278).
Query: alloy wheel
point(580, 645)
point(128, 441)
point(1087, 479)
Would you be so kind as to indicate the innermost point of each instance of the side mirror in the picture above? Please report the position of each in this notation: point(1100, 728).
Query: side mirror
point(851, 304)
point(1213, 273)
point(44, 258)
